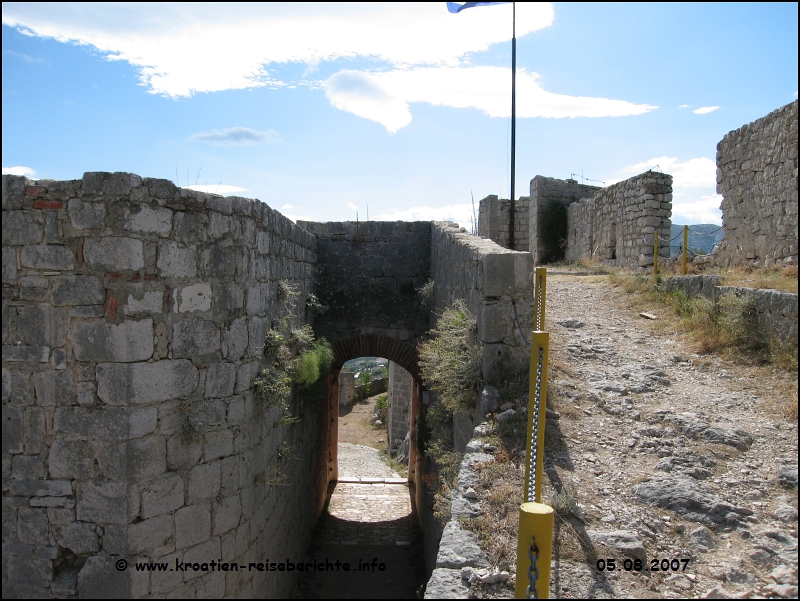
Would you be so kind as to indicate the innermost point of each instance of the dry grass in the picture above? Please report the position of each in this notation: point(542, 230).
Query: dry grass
point(776, 278)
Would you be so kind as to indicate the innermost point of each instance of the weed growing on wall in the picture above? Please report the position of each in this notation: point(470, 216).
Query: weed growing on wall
point(450, 365)
point(425, 297)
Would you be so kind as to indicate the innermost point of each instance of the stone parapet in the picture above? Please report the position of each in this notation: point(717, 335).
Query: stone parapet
point(134, 316)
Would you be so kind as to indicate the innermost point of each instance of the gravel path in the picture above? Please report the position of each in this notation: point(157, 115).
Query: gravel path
point(360, 461)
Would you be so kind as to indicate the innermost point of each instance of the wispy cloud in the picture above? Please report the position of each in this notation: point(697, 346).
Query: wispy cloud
point(459, 213)
point(704, 110)
point(692, 173)
point(704, 210)
point(684, 106)
point(221, 189)
point(385, 97)
point(31, 60)
point(20, 170)
point(236, 136)
point(352, 207)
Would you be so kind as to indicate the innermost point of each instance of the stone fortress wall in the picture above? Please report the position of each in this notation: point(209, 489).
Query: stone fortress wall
point(757, 177)
point(134, 315)
point(493, 218)
point(399, 387)
point(617, 225)
point(543, 191)
point(613, 225)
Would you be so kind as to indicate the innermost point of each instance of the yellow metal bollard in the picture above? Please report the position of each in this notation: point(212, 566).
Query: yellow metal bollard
point(685, 247)
point(655, 253)
point(539, 297)
point(534, 547)
point(534, 551)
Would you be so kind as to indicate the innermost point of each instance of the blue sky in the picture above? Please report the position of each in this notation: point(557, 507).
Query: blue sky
point(321, 110)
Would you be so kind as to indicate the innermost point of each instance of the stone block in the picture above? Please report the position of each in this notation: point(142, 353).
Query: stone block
point(28, 466)
point(103, 341)
point(42, 326)
point(17, 387)
point(201, 554)
point(12, 429)
point(220, 380)
point(60, 516)
point(90, 423)
point(245, 375)
point(99, 579)
point(30, 572)
point(26, 354)
point(107, 502)
point(86, 215)
point(86, 394)
point(71, 459)
point(33, 430)
point(54, 388)
point(21, 227)
point(204, 482)
point(257, 330)
point(147, 457)
point(79, 537)
point(162, 496)
point(151, 537)
point(151, 302)
point(47, 256)
point(142, 421)
point(115, 539)
point(109, 184)
point(189, 227)
point(235, 339)
point(192, 526)
point(113, 461)
point(196, 297)
point(32, 526)
point(219, 262)
point(9, 265)
point(87, 311)
point(227, 514)
point(138, 383)
point(41, 488)
point(176, 260)
point(196, 339)
point(183, 451)
point(114, 254)
point(218, 444)
point(228, 300)
point(58, 359)
point(150, 220)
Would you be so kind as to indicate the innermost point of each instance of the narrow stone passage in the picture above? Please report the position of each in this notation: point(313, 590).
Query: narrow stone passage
point(367, 537)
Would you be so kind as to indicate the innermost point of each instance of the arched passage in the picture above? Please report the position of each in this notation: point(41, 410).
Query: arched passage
point(399, 351)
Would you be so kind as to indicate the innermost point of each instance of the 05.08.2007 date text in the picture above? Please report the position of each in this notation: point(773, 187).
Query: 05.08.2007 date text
point(656, 565)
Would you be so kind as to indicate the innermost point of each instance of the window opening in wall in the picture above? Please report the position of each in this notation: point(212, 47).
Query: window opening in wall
point(612, 243)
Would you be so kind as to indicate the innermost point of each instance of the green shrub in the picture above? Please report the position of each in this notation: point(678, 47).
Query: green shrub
point(382, 402)
point(552, 225)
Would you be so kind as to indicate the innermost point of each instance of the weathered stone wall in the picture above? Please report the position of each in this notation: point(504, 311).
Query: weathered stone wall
point(492, 281)
point(400, 383)
point(616, 225)
point(757, 177)
point(776, 311)
point(544, 190)
point(368, 276)
point(493, 219)
point(134, 315)
point(347, 387)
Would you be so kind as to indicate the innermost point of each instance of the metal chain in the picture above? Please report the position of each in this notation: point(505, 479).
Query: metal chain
point(533, 570)
point(534, 454)
point(539, 304)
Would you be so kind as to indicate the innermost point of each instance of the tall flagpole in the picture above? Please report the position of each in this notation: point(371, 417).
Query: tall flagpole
point(513, 121)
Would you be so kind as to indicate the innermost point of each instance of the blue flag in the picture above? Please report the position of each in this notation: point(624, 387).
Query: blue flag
point(455, 7)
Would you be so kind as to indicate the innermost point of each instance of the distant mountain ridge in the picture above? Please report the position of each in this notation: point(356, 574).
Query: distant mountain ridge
point(703, 237)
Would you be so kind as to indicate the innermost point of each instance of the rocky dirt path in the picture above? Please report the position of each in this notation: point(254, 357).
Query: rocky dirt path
point(672, 456)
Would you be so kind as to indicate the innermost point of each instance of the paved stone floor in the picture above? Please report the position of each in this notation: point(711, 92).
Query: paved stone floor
point(366, 524)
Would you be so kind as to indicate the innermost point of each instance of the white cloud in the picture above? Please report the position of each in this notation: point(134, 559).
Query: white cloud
point(236, 136)
point(20, 170)
point(385, 97)
point(684, 106)
point(181, 49)
point(460, 213)
point(287, 207)
point(705, 210)
point(704, 110)
point(221, 189)
point(352, 207)
point(694, 173)
point(24, 57)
